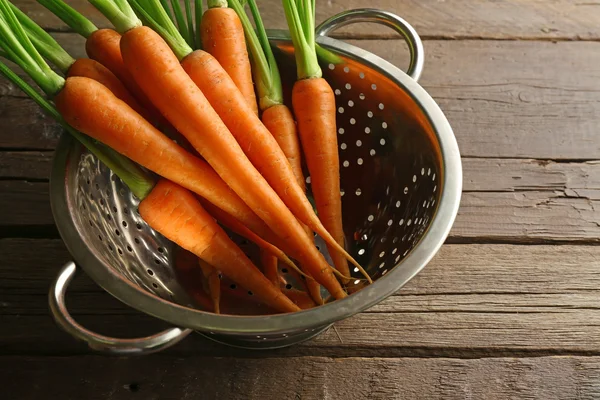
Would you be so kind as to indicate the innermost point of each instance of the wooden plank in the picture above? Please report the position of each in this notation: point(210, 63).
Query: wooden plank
point(24, 126)
point(550, 19)
point(25, 164)
point(515, 101)
point(159, 377)
point(504, 200)
point(512, 175)
point(521, 217)
point(471, 300)
point(528, 216)
point(512, 99)
point(24, 203)
point(575, 179)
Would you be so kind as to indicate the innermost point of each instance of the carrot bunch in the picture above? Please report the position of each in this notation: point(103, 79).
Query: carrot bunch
point(210, 80)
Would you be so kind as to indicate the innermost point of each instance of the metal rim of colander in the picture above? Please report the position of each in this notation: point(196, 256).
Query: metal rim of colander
point(183, 316)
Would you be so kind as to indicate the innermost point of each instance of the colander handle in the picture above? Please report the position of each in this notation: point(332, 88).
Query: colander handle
point(388, 19)
point(114, 346)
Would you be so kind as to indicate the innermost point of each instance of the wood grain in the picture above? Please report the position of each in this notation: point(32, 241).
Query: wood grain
point(25, 165)
point(505, 200)
point(512, 99)
point(24, 203)
point(471, 300)
point(508, 19)
point(161, 377)
point(505, 99)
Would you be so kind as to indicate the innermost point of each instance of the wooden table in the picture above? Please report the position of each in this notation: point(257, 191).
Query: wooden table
point(507, 309)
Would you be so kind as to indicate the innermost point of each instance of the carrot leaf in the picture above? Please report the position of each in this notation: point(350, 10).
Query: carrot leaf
point(119, 13)
point(216, 3)
point(134, 177)
point(181, 22)
point(190, 23)
point(69, 16)
point(43, 42)
point(20, 50)
point(264, 65)
point(165, 4)
point(198, 14)
point(300, 18)
point(158, 19)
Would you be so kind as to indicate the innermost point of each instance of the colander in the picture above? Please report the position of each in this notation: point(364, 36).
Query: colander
point(401, 180)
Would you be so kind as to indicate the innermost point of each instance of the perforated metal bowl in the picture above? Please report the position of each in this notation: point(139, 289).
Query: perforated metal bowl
point(401, 182)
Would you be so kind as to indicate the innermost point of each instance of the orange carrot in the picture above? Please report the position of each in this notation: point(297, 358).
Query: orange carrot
point(314, 107)
point(270, 267)
point(92, 69)
point(257, 142)
point(314, 104)
point(93, 109)
point(300, 298)
point(236, 226)
point(185, 265)
point(103, 46)
point(176, 214)
point(214, 283)
point(158, 72)
point(223, 37)
point(279, 121)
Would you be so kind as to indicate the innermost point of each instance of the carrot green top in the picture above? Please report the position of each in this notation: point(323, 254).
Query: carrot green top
point(264, 65)
point(216, 3)
point(43, 42)
point(300, 16)
point(155, 16)
point(69, 16)
point(19, 49)
point(119, 13)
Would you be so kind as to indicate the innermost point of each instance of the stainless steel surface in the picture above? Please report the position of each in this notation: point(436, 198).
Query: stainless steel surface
point(415, 46)
point(401, 181)
point(121, 347)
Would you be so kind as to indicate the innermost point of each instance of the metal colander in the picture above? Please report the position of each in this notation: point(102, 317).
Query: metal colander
point(401, 181)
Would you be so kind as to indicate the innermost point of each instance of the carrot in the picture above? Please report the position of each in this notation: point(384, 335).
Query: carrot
point(93, 109)
point(223, 37)
point(270, 267)
point(53, 52)
point(138, 181)
point(175, 213)
point(88, 68)
point(102, 45)
point(167, 208)
point(214, 283)
point(185, 265)
point(187, 108)
point(254, 138)
point(230, 222)
point(300, 298)
point(314, 106)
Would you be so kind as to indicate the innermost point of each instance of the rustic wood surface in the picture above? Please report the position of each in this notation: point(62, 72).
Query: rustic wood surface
point(507, 309)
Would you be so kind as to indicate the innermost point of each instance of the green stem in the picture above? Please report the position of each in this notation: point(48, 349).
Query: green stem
point(190, 23)
point(181, 24)
point(139, 182)
point(44, 43)
point(327, 56)
point(301, 24)
point(70, 16)
point(198, 12)
point(119, 13)
point(264, 65)
point(216, 3)
point(159, 20)
point(16, 43)
point(165, 4)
